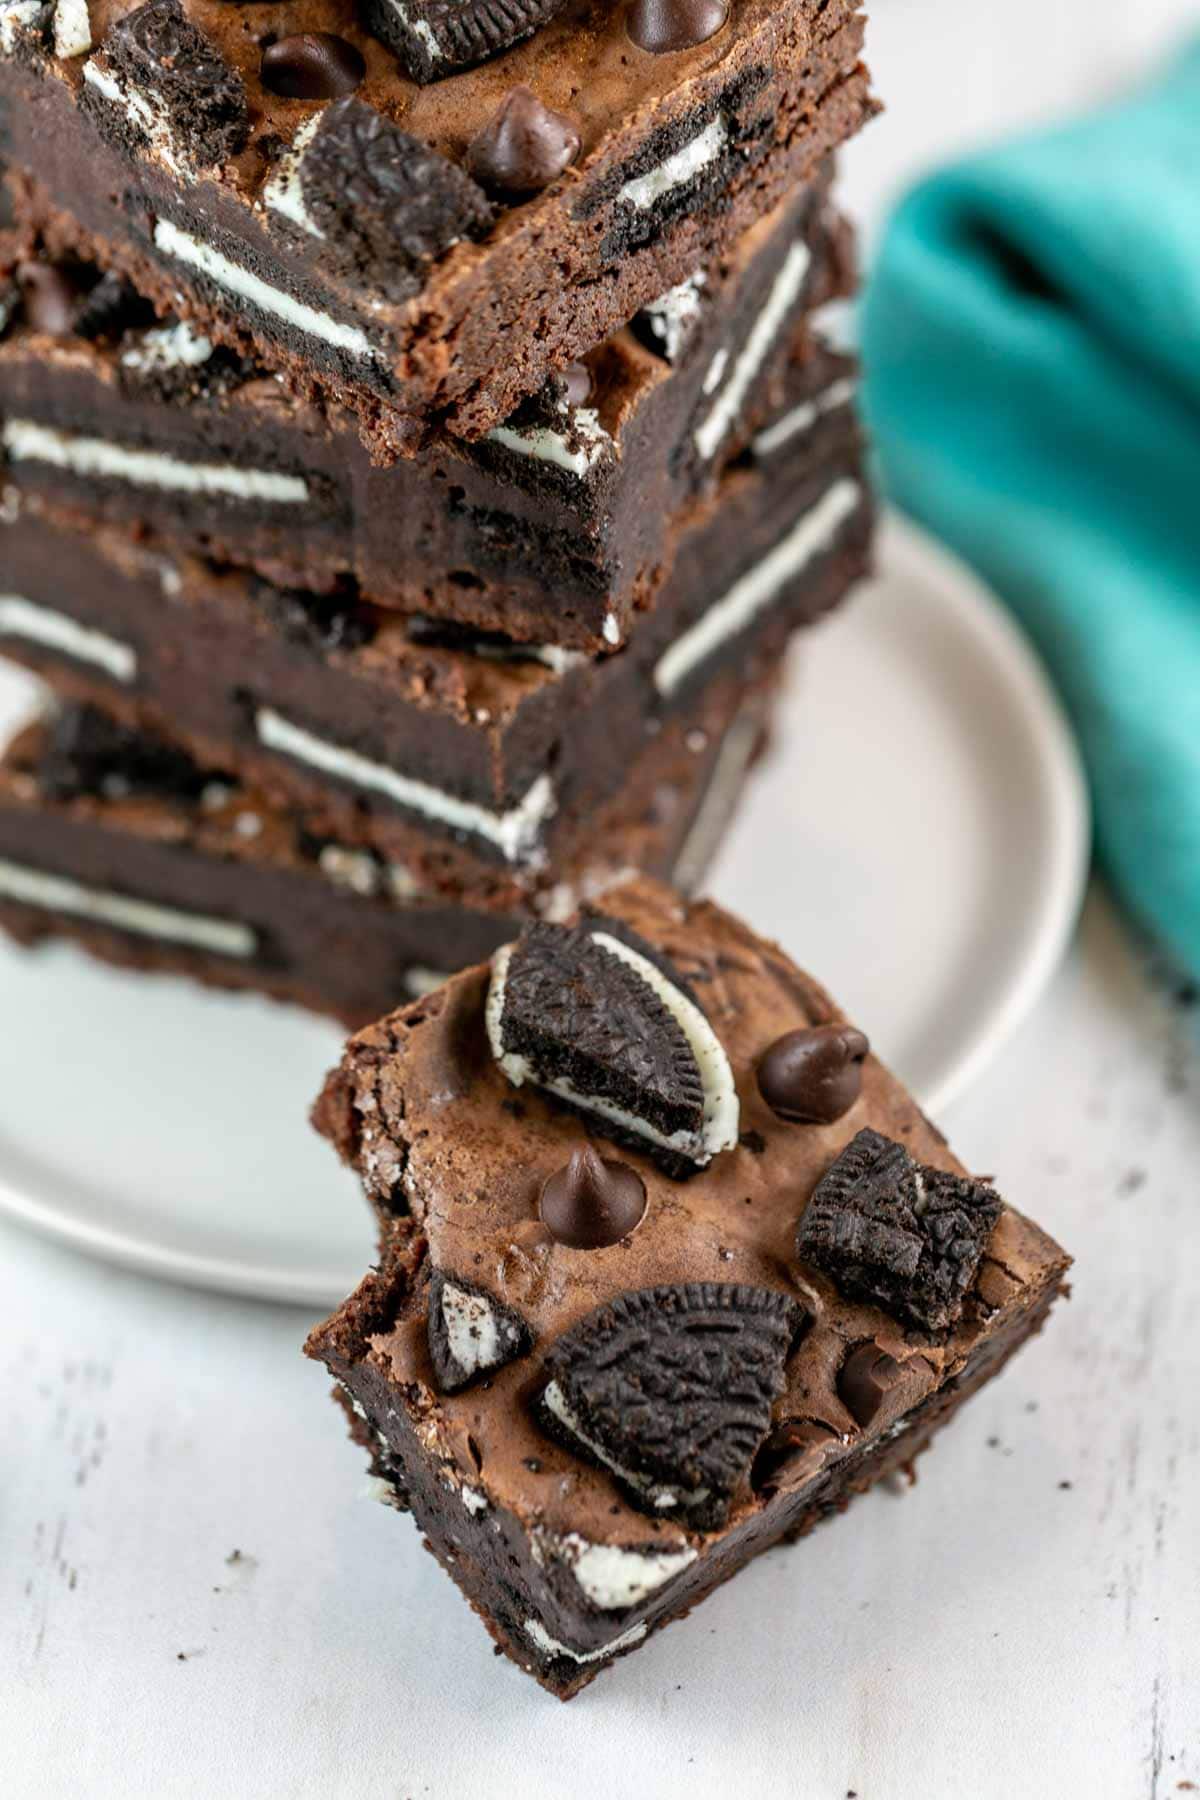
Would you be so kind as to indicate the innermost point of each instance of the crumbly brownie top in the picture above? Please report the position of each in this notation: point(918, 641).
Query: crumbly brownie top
point(796, 1283)
point(323, 111)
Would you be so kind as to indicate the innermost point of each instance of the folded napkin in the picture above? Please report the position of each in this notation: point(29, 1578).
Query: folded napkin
point(1032, 342)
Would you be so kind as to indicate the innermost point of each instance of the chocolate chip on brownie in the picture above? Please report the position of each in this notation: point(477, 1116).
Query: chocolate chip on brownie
point(389, 206)
point(312, 65)
point(434, 38)
point(664, 26)
point(157, 80)
point(813, 1076)
point(607, 1026)
point(471, 1333)
point(591, 1203)
point(907, 1237)
point(671, 1390)
point(524, 147)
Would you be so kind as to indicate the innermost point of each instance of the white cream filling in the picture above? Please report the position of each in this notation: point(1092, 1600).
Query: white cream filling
point(719, 1129)
point(138, 110)
point(659, 1495)
point(27, 441)
point(475, 1500)
point(514, 833)
point(355, 870)
point(757, 588)
point(57, 631)
point(544, 444)
point(614, 1578)
point(419, 28)
point(612, 629)
point(714, 375)
point(168, 347)
point(803, 417)
point(284, 193)
point(672, 317)
point(376, 1488)
point(57, 893)
point(785, 291)
point(16, 17)
point(537, 1634)
point(72, 29)
point(472, 1335)
point(644, 190)
point(188, 249)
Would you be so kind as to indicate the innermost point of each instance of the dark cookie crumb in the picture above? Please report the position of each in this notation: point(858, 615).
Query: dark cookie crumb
point(901, 1235)
point(388, 204)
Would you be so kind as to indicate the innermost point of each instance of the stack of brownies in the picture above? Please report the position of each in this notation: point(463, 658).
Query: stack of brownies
point(421, 438)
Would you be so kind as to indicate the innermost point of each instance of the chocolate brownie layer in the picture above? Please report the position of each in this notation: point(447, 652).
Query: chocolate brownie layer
point(602, 1388)
point(553, 529)
point(121, 843)
point(478, 763)
point(347, 245)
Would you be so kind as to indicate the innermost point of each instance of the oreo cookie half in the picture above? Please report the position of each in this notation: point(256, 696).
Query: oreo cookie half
point(896, 1233)
point(471, 1333)
point(608, 1026)
point(433, 38)
point(388, 205)
point(158, 82)
point(671, 1389)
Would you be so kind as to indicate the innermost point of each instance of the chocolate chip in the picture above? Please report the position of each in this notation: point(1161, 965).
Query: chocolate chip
point(785, 1447)
point(576, 379)
point(434, 38)
point(50, 298)
point(524, 147)
point(471, 1333)
point(311, 65)
point(387, 203)
point(813, 1076)
point(608, 1016)
point(665, 25)
point(157, 54)
point(865, 1380)
point(591, 1203)
point(898, 1234)
point(670, 1389)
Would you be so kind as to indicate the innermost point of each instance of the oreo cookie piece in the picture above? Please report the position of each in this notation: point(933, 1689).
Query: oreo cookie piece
point(111, 308)
point(897, 1233)
point(172, 362)
point(157, 82)
point(471, 1333)
point(86, 752)
point(388, 204)
point(433, 38)
point(608, 1026)
point(671, 1389)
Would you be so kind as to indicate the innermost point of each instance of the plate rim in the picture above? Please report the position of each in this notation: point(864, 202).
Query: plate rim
point(1000, 640)
point(1066, 799)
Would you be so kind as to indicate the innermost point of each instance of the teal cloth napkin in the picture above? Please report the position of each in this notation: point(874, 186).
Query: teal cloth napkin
point(1031, 336)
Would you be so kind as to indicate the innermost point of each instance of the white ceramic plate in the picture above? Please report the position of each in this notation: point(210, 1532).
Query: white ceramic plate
point(918, 839)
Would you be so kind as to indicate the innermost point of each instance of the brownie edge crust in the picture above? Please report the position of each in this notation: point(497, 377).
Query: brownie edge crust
point(656, 1372)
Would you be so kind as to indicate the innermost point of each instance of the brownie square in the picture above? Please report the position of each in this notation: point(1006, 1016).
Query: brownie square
point(602, 1359)
point(359, 233)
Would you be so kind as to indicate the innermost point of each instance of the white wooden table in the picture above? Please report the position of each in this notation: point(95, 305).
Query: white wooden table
point(193, 1602)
